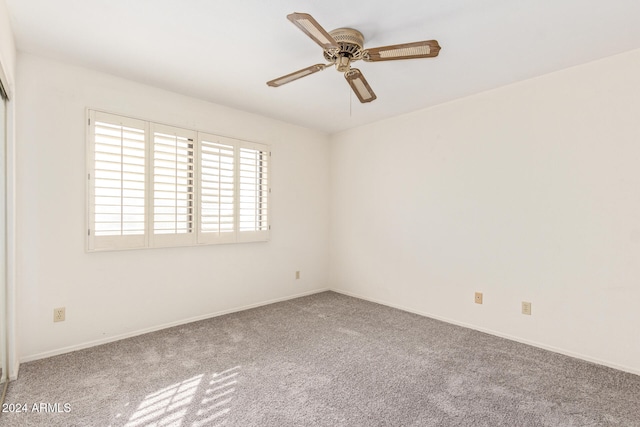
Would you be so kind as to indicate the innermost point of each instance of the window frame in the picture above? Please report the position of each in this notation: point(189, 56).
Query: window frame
point(198, 235)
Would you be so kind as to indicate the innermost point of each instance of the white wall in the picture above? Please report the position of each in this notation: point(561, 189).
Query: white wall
point(526, 193)
point(112, 294)
point(529, 192)
point(7, 46)
point(7, 74)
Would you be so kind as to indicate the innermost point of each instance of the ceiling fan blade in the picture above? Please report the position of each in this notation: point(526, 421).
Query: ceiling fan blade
point(424, 49)
point(297, 75)
point(311, 28)
point(359, 85)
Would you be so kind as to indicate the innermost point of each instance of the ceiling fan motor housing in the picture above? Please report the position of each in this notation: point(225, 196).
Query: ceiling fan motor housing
point(351, 42)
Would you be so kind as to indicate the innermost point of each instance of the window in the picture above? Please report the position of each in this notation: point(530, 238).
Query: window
point(253, 176)
point(173, 180)
point(217, 189)
point(153, 185)
point(117, 194)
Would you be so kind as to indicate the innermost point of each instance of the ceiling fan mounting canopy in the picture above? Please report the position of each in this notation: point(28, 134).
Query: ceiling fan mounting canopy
point(350, 44)
point(342, 46)
point(350, 41)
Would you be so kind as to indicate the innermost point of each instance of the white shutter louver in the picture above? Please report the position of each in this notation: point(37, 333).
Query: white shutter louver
point(154, 185)
point(217, 189)
point(173, 185)
point(117, 182)
point(254, 178)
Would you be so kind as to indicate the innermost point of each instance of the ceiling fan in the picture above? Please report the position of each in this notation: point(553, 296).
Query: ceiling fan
point(345, 45)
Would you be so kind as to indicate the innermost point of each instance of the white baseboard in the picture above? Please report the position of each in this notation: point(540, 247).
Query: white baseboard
point(119, 337)
point(495, 333)
point(106, 340)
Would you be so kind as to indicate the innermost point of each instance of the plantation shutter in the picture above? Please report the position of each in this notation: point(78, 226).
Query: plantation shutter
point(254, 179)
point(117, 182)
point(217, 189)
point(154, 185)
point(173, 171)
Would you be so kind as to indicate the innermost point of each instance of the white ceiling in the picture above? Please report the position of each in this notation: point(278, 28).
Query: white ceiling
point(225, 51)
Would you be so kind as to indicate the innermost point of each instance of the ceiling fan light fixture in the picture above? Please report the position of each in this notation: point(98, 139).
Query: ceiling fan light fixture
point(343, 64)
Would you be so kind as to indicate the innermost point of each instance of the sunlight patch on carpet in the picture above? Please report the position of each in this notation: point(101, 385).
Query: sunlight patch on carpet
point(166, 407)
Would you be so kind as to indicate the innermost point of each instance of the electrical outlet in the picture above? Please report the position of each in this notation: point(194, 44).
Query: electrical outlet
point(297, 275)
point(526, 308)
point(478, 297)
point(58, 314)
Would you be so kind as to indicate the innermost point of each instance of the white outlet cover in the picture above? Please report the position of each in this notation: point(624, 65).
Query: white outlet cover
point(59, 314)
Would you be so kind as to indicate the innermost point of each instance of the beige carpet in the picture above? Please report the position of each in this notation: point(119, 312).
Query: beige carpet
point(322, 360)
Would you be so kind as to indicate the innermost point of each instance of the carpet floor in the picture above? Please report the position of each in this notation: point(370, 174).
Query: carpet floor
point(321, 360)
